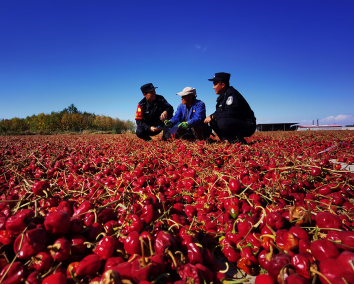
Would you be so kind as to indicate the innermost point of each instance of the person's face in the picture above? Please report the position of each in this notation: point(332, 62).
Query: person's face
point(187, 100)
point(219, 88)
point(151, 96)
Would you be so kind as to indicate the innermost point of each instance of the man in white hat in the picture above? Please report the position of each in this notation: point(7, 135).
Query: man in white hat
point(189, 117)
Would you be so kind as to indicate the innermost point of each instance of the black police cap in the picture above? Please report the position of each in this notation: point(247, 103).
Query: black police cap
point(147, 88)
point(221, 76)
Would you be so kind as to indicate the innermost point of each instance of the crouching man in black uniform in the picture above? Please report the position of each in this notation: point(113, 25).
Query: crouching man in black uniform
point(233, 119)
point(152, 111)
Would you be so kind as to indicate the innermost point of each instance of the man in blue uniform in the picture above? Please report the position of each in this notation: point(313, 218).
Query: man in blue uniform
point(152, 111)
point(233, 119)
point(189, 117)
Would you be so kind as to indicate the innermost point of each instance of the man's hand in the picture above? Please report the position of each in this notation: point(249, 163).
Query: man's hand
point(153, 129)
point(163, 116)
point(183, 124)
point(207, 119)
point(168, 123)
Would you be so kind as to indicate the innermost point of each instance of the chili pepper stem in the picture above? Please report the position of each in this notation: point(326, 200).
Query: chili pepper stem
point(172, 257)
point(150, 246)
point(160, 277)
point(320, 274)
point(351, 264)
point(226, 269)
point(143, 262)
point(77, 281)
point(182, 256)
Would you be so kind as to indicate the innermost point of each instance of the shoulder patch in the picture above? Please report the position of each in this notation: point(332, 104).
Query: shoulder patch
point(139, 113)
point(229, 100)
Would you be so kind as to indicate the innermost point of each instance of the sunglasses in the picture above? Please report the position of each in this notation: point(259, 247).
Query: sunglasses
point(216, 82)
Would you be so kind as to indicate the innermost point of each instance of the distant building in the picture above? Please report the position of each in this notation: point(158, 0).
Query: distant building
point(318, 127)
point(276, 126)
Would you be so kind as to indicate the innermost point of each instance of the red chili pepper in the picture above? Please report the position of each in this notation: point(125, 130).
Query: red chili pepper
point(88, 266)
point(247, 252)
point(42, 261)
point(328, 220)
point(33, 278)
point(299, 232)
point(233, 211)
point(302, 265)
point(125, 270)
point(57, 278)
point(330, 268)
point(147, 213)
point(105, 247)
point(275, 220)
point(286, 240)
point(324, 249)
point(17, 223)
point(244, 228)
point(57, 223)
point(207, 275)
point(346, 260)
point(39, 187)
point(276, 264)
point(34, 241)
point(65, 206)
point(194, 254)
point(14, 275)
point(77, 245)
point(132, 243)
point(231, 254)
point(6, 237)
point(60, 250)
point(83, 208)
point(264, 258)
point(190, 274)
point(132, 223)
point(246, 265)
point(304, 246)
point(158, 264)
point(113, 261)
point(190, 211)
point(164, 242)
point(254, 240)
point(347, 239)
point(111, 227)
point(263, 279)
point(70, 271)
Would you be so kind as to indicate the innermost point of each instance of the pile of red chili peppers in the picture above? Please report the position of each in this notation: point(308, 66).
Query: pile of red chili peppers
point(118, 210)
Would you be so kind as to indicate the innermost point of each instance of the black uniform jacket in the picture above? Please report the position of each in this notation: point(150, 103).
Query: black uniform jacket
point(148, 114)
point(232, 104)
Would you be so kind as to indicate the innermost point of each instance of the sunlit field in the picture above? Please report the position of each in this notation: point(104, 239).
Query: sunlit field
point(116, 209)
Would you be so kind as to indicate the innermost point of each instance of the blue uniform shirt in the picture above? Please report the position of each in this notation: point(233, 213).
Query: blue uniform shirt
point(195, 115)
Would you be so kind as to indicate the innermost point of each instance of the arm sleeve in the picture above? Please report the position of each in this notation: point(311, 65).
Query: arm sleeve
point(199, 114)
point(177, 118)
point(142, 123)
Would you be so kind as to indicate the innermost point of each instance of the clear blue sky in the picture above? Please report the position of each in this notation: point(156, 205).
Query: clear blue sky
point(293, 60)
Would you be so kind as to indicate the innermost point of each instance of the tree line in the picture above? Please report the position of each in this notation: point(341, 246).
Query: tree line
point(69, 119)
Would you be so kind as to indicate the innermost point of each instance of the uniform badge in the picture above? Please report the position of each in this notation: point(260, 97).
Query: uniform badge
point(139, 114)
point(229, 100)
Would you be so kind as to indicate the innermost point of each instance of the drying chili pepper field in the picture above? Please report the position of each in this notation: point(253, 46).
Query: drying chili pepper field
point(115, 209)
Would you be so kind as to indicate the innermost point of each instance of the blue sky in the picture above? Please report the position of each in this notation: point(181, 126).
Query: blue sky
point(293, 61)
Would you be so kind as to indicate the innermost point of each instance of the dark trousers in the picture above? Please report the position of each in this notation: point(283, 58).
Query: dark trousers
point(232, 129)
point(145, 134)
point(200, 131)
